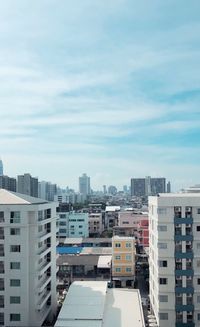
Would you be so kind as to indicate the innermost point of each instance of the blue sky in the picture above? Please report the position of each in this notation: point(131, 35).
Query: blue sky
point(106, 87)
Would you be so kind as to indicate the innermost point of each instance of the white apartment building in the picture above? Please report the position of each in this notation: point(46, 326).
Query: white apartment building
point(174, 258)
point(27, 260)
point(73, 224)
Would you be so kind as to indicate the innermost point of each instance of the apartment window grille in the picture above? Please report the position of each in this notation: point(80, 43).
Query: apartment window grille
point(1, 216)
point(118, 257)
point(1, 284)
point(15, 282)
point(15, 217)
point(163, 298)
point(162, 263)
point(1, 250)
point(1, 319)
point(162, 245)
point(15, 317)
point(1, 301)
point(15, 248)
point(40, 215)
point(179, 299)
point(15, 299)
point(128, 269)
point(128, 257)
point(198, 228)
point(128, 245)
point(15, 265)
point(163, 316)
point(198, 211)
point(163, 281)
point(189, 316)
point(14, 231)
point(179, 316)
point(118, 269)
point(198, 316)
point(177, 212)
point(162, 228)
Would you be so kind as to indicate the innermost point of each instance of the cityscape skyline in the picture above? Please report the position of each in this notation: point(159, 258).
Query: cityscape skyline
point(111, 89)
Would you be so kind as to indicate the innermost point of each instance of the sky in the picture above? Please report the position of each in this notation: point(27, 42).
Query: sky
point(110, 88)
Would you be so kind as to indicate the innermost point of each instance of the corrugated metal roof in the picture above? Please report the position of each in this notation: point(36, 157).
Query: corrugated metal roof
point(68, 249)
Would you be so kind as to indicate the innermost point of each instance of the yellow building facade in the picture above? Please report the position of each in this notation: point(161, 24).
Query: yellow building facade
point(123, 260)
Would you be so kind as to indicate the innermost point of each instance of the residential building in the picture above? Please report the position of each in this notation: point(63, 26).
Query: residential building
point(174, 258)
point(27, 260)
point(84, 185)
point(123, 260)
point(92, 303)
point(138, 187)
point(111, 216)
point(1, 167)
point(95, 224)
point(73, 224)
point(26, 184)
point(47, 190)
point(158, 185)
point(8, 183)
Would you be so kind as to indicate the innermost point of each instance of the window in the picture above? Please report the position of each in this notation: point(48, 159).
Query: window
point(198, 228)
point(198, 316)
point(198, 281)
point(62, 215)
point(15, 282)
point(163, 281)
point(128, 257)
point(128, 269)
point(198, 211)
point(118, 257)
point(15, 231)
point(163, 298)
point(162, 245)
point(62, 223)
point(162, 263)
point(80, 226)
point(198, 245)
point(118, 269)
point(162, 228)
point(118, 245)
point(15, 317)
point(15, 299)
point(128, 245)
point(15, 248)
point(40, 215)
point(161, 211)
point(1, 319)
point(62, 230)
point(80, 233)
point(163, 316)
point(40, 244)
point(15, 265)
point(1, 217)
point(79, 219)
point(15, 217)
point(198, 298)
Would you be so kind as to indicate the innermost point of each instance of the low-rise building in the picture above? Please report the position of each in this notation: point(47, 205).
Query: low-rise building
point(94, 304)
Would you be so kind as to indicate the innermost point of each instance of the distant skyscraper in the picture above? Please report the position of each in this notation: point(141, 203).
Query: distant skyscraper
point(1, 167)
point(104, 189)
point(8, 183)
point(47, 191)
point(168, 187)
point(138, 186)
point(148, 186)
point(26, 184)
point(84, 185)
point(112, 190)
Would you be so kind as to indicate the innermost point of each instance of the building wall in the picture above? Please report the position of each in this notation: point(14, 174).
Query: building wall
point(73, 224)
point(95, 223)
point(36, 288)
point(174, 257)
point(123, 257)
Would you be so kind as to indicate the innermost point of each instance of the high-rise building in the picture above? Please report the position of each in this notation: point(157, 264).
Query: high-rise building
point(26, 184)
point(147, 186)
point(27, 260)
point(138, 187)
point(84, 185)
point(8, 183)
point(174, 258)
point(168, 187)
point(47, 190)
point(1, 167)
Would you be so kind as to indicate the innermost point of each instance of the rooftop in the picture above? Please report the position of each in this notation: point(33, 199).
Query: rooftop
point(8, 197)
point(93, 304)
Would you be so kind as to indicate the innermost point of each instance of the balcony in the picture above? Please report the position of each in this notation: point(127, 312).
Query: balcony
point(43, 299)
point(188, 272)
point(178, 220)
point(184, 307)
point(43, 283)
point(187, 290)
point(178, 237)
point(184, 255)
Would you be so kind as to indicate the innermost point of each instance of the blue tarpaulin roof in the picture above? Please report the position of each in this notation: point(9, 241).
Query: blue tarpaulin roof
point(69, 249)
